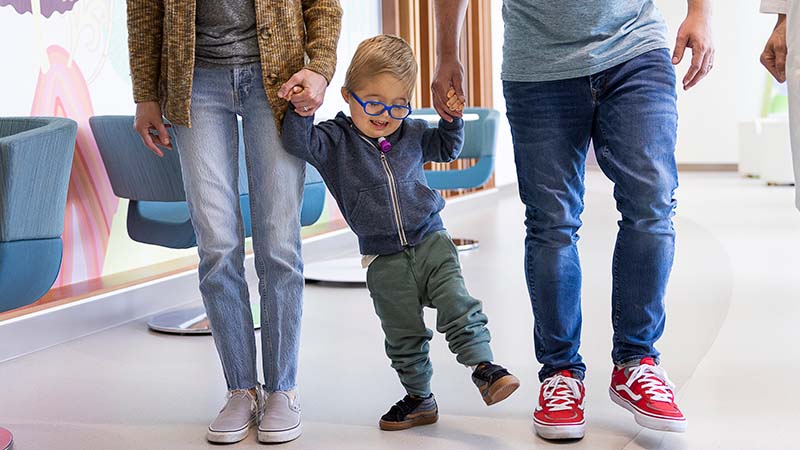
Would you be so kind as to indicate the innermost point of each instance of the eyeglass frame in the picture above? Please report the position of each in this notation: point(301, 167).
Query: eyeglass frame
point(385, 107)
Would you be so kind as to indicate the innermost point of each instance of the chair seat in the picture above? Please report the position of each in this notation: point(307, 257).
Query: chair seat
point(28, 269)
point(168, 224)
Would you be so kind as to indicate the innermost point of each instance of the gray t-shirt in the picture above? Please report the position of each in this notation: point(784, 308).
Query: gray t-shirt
point(226, 32)
point(549, 40)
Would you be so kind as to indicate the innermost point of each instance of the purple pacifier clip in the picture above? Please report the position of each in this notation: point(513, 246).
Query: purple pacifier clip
point(385, 144)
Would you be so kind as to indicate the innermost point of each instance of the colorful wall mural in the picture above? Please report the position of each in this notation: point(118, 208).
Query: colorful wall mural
point(69, 58)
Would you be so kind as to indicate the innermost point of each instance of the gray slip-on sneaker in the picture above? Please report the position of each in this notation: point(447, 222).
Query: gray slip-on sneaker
point(241, 410)
point(281, 419)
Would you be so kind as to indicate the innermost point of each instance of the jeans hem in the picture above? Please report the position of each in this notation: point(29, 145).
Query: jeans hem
point(630, 359)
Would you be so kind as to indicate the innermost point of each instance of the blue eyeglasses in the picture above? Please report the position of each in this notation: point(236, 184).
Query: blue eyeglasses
point(373, 108)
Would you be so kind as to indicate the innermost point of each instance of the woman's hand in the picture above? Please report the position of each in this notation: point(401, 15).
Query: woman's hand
point(310, 95)
point(148, 120)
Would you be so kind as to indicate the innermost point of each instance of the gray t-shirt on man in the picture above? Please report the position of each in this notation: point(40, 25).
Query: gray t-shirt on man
point(225, 32)
point(548, 40)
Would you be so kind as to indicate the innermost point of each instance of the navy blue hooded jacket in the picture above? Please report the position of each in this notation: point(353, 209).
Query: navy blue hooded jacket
point(384, 197)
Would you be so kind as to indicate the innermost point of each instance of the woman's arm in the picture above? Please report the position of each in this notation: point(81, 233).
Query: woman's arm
point(323, 19)
point(145, 28)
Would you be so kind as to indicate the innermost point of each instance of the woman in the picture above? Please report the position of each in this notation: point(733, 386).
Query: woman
point(233, 59)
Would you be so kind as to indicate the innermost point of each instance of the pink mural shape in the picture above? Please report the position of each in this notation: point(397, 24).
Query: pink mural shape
point(91, 204)
point(48, 7)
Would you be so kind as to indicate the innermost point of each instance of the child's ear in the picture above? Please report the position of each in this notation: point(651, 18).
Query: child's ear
point(345, 95)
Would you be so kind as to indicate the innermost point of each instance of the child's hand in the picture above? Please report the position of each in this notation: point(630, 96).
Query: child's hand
point(454, 102)
point(295, 90)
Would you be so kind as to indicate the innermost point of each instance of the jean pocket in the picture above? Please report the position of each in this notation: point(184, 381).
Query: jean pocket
point(373, 213)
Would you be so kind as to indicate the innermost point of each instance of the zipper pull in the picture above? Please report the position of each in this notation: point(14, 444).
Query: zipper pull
point(385, 144)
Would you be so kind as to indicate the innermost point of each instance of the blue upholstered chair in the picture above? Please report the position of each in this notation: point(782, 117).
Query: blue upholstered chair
point(480, 137)
point(35, 163)
point(158, 213)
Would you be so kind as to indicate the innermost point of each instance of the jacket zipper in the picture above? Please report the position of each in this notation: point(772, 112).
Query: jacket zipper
point(393, 191)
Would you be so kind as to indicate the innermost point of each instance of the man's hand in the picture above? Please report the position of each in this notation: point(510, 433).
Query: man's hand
point(308, 98)
point(449, 75)
point(695, 33)
point(147, 121)
point(774, 55)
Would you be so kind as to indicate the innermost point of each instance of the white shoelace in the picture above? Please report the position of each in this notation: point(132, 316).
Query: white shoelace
point(560, 392)
point(654, 380)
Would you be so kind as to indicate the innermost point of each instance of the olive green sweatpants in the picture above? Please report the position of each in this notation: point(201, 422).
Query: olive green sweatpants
point(402, 284)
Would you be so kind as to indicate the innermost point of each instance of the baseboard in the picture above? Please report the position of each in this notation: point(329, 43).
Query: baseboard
point(708, 167)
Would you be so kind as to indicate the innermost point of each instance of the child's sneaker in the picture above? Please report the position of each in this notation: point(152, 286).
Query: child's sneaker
point(411, 411)
point(494, 382)
point(559, 414)
point(646, 391)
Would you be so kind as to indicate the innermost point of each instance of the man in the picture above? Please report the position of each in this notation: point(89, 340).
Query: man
point(239, 58)
point(574, 72)
point(781, 57)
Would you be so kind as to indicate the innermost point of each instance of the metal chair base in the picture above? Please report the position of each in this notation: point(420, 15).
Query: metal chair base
point(340, 271)
point(463, 245)
point(6, 439)
point(189, 321)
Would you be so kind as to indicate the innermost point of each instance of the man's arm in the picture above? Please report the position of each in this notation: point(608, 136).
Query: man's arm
point(774, 55)
point(449, 17)
point(695, 33)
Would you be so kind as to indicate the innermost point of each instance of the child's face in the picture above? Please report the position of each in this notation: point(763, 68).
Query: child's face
point(382, 88)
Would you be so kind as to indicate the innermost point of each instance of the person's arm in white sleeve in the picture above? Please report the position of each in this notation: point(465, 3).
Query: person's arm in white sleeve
point(774, 6)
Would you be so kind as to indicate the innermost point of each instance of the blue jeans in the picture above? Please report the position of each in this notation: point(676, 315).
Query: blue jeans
point(209, 160)
point(630, 113)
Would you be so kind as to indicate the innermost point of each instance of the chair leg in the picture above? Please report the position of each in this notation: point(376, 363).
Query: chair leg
point(189, 321)
point(6, 439)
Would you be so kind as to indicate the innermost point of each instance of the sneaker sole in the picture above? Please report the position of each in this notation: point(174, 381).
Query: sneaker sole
point(500, 390)
point(653, 423)
point(279, 437)
point(558, 432)
point(228, 437)
point(406, 424)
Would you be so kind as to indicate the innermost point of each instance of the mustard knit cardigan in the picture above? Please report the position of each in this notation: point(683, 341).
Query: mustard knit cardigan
point(292, 34)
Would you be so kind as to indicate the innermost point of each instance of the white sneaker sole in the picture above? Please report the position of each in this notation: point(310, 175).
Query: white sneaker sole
point(228, 437)
point(647, 421)
point(555, 432)
point(278, 437)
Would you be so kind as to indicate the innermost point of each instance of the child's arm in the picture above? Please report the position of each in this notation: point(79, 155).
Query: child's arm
point(306, 141)
point(443, 144)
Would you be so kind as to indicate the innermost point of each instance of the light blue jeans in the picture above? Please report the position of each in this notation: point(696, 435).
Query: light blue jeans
point(209, 160)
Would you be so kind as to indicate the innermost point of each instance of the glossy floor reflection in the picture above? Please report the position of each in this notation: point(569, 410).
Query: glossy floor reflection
point(730, 345)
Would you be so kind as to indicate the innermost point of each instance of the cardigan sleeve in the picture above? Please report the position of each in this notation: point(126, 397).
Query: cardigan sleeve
point(145, 29)
point(323, 19)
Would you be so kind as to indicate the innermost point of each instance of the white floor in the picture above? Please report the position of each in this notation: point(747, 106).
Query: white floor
point(731, 345)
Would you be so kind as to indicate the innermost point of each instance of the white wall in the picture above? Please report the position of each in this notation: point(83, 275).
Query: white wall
point(710, 111)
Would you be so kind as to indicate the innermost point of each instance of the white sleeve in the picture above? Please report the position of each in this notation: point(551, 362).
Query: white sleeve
point(774, 6)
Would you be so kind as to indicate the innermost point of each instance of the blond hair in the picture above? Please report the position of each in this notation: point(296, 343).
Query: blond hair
point(382, 54)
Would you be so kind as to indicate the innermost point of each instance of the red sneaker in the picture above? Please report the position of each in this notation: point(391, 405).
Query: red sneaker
point(646, 391)
point(559, 414)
